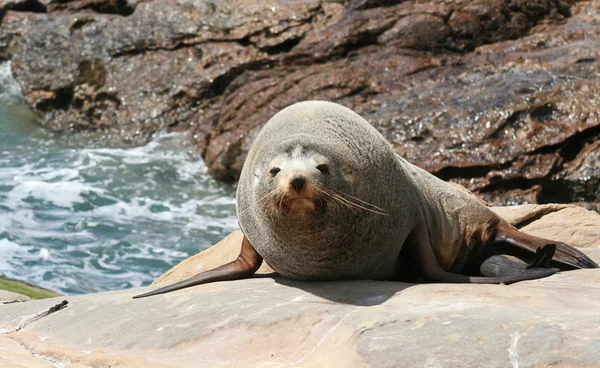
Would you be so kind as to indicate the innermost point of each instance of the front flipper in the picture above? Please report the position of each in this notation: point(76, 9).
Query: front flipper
point(247, 263)
point(511, 241)
point(418, 248)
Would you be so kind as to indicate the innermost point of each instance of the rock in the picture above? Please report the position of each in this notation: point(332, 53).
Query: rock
point(12, 25)
point(120, 7)
point(127, 76)
point(7, 297)
point(37, 6)
point(13, 354)
point(573, 225)
point(355, 61)
point(271, 322)
point(274, 322)
point(496, 95)
point(506, 118)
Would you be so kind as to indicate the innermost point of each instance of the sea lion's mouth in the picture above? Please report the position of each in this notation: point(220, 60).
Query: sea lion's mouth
point(290, 205)
point(301, 205)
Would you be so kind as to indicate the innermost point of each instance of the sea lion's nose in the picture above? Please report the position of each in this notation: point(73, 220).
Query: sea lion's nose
point(297, 183)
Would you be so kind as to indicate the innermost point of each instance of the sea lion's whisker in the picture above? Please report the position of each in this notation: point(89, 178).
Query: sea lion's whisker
point(343, 202)
point(366, 208)
point(351, 205)
point(263, 200)
point(254, 204)
point(375, 209)
point(335, 198)
point(364, 202)
point(281, 199)
point(349, 202)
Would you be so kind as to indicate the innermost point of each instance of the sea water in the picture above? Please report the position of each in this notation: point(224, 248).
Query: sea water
point(82, 220)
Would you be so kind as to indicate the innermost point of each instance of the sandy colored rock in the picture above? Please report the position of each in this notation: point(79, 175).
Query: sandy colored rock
point(14, 355)
point(274, 322)
point(10, 297)
point(517, 215)
point(265, 322)
point(573, 225)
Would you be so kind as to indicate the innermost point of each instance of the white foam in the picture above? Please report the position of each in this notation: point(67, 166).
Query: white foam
point(20, 174)
point(9, 251)
point(10, 90)
point(8, 247)
point(62, 194)
point(44, 254)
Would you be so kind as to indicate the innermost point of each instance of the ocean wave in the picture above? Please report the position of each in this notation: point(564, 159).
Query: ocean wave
point(10, 90)
point(95, 219)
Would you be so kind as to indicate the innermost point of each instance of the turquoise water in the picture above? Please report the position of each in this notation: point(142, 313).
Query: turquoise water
point(81, 220)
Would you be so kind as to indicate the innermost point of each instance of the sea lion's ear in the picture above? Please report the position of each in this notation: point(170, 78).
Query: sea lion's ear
point(349, 175)
point(262, 171)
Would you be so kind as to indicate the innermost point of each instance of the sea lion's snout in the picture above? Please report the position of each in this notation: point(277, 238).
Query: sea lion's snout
point(299, 194)
point(297, 183)
point(299, 179)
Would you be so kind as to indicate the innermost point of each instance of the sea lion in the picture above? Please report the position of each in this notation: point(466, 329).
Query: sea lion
point(323, 196)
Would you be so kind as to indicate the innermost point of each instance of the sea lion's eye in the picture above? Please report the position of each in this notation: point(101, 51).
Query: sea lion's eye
point(323, 168)
point(274, 171)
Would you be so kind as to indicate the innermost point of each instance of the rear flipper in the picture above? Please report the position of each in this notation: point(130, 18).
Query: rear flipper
point(511, 241)
point(418, 249)
point(502, 265)
point(247, 263)
point(543, 256)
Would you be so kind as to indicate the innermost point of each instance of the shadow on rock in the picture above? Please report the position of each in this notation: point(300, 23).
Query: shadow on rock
point(365, 293)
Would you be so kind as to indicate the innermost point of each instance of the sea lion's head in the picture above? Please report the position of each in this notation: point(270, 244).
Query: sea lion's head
point(302, 183)
point(312, 164)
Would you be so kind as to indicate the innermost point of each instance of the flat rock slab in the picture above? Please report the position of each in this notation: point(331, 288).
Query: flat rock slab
point(269, 321)
point(266, 322)
point(10, 297)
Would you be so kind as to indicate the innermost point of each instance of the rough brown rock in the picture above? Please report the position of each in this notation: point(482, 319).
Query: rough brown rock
point(125, 76)
point(497, 95)
point(367, 61)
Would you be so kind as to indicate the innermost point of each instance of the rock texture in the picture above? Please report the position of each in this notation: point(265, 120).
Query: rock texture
point(7, 297)
point(273, 322)
point(497, 95)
